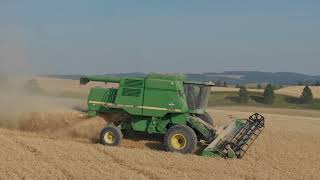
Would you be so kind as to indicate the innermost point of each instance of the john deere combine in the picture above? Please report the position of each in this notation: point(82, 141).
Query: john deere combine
point(172, 106)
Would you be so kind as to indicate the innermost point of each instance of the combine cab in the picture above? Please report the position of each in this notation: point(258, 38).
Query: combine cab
point(172, 106)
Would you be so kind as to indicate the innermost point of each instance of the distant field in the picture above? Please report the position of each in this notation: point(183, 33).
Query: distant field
point(221, 96)
point(63, 85)
point(287, 97)
point(232, 89)
point(256, 100)
point(294, 91)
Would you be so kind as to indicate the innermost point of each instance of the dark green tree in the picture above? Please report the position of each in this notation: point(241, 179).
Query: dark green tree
point(243, 95)
point(237, 86)
point(306, 96)
point(268, 95)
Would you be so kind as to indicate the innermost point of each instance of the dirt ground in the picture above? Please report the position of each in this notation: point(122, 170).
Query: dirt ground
point(63, 145)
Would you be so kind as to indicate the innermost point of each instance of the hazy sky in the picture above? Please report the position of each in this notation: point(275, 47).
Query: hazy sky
point(94, 37)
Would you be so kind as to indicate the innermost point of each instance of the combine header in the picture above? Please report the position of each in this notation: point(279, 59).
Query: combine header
point(172, 106)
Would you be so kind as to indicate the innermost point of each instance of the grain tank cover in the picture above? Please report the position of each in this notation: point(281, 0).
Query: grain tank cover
point(172, 77)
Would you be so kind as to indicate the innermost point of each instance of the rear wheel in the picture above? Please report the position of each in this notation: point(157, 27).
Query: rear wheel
point(180, 138)
point(111, 136)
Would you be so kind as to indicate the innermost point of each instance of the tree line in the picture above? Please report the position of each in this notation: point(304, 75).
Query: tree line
point(269, 95)
point(316, 83)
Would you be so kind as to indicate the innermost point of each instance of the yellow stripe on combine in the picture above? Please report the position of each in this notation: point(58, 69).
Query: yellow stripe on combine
point(132, 106)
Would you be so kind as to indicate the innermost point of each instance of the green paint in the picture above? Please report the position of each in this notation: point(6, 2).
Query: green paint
point(140, 125)
point(155, 103)
point(207, 133)
point(206, 153)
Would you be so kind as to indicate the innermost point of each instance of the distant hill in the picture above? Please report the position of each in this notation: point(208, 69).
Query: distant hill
point(254, 77)
point(231, 77)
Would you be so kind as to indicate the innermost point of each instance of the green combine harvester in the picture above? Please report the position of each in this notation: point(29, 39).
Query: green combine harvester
point(172, 106)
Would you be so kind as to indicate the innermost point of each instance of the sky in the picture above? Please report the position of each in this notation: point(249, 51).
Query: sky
point(105, 36)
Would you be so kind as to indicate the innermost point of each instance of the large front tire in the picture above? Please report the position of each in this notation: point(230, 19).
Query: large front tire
point(181, 138)
point(111, 136)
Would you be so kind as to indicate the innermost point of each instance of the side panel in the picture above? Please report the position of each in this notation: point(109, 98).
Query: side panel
point(130, 95)
point(97, 98)
point(180, 119)
point(140, 125)
point(157, 125)
point(162, 97)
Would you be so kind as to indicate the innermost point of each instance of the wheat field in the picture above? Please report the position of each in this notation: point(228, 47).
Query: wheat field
point(296, 91)
point(63, 145)
point(46, 138)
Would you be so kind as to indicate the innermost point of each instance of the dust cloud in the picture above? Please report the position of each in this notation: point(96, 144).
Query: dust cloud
point(23, 110)
point(24, 107)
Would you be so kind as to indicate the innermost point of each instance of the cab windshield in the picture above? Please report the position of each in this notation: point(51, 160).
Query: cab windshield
point(197, 96)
